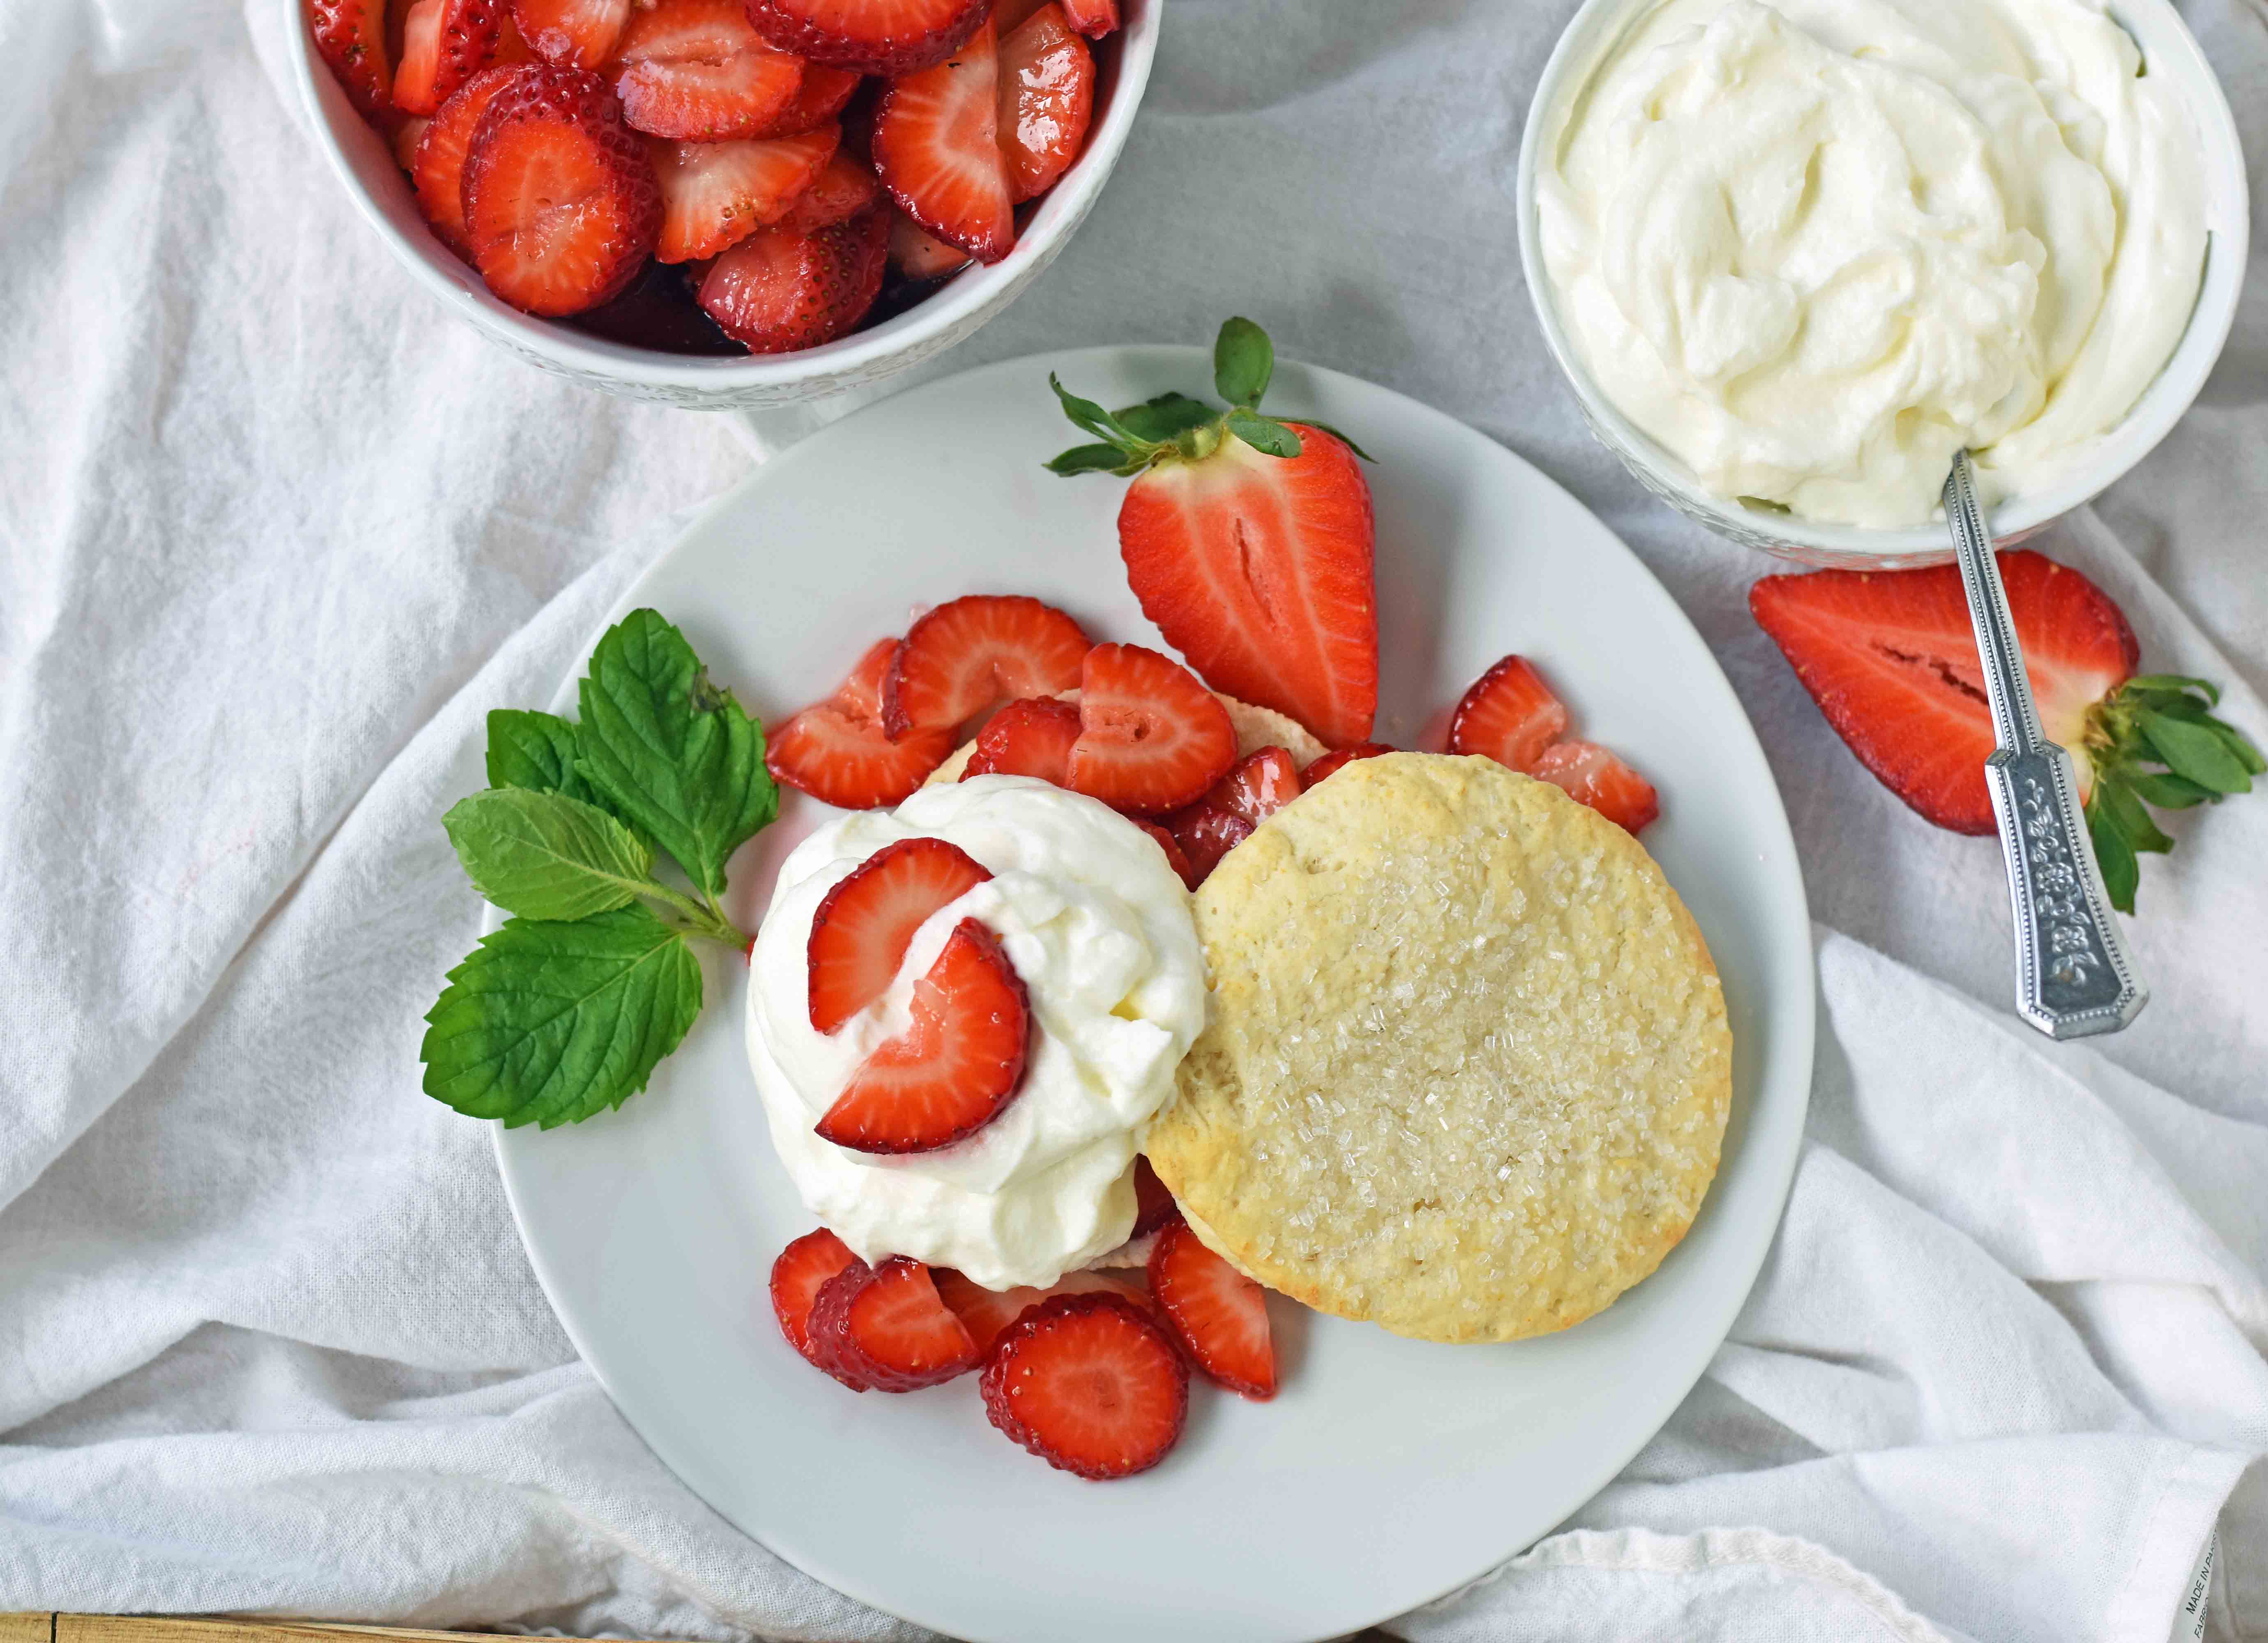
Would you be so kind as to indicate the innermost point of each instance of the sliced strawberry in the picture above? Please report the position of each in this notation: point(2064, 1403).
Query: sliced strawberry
point(1154, 1206)
point(579, 33)
point(840, 190)
point(778, 291)
point(1089, 1383)
point(1590, 775)
point(444, 44)
point(350, 34)
point(887, 1330)
point(1891, 659)
point(1177, 858)
point(512, 46)
point(1093, 18)
point(1226, 816)
point(694, 69)
point(860, 934)
point(1508, 715)
point(1150, 737)
point(1047, 96)
point(986, 1313)
point(436, 170)
point(891, 37)
point(837, 751)
point(826, 1328)
point(1258, 570)
point(1030, 737)
point(951, 1071)
point(715, 194)
point(799, 1274)
point(561, 207)
point(918, 254)
point(406, 136)
point(974, 653)
point(1331, 762)
point(937, 150)
point(1220, 1315)
point(818, 101)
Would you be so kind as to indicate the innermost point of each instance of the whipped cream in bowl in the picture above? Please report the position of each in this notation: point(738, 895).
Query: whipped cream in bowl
point(1098, 929)
point(1794, 253)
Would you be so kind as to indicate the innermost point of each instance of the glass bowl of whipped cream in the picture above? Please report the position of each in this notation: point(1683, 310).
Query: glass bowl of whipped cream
point(1792, 254)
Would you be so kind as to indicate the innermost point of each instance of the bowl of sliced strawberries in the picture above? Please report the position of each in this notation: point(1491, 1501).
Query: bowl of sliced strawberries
point(724, 202)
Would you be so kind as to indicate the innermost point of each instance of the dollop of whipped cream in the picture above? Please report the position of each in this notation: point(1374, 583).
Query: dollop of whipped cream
point(1815, 246)
point(1098, 929)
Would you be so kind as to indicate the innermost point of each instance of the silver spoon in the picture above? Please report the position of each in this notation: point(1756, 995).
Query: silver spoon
point(2074, 977)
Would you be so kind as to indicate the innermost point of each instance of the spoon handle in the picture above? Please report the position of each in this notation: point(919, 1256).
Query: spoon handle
point(2074, 977)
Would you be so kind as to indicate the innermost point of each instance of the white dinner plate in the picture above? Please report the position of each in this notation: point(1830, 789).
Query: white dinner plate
point(1386, 1471)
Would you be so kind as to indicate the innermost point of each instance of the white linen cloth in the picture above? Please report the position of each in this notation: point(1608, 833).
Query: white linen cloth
point(277, 534)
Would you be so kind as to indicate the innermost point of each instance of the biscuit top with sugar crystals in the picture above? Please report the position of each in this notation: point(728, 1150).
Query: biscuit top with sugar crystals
point(1467, 1067)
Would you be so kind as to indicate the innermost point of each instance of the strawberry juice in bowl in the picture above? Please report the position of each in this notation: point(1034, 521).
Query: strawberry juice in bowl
point(1822, 310)
point(361, 131)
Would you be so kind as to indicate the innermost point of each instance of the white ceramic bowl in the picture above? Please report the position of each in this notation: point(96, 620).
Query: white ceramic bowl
point(2168, 48)
point(366, 169)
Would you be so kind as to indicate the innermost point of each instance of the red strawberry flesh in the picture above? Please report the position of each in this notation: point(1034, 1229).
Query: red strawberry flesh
point(444, 44)
point(778, 291)
point(351, 36)
point(863, 926)
point(974, 653)
point(826, 1328)
point(1259, 570)
point(1177, 858)
point(1590, 775)
point(837, 751)
point(840, 190)
point(1093, 18)
point(1030, 737)
point(798, 1273)
point(437, 169)
point(819, 98)
point(1891, 660)
point(1260, 785)
point(1090, 1384)
point(695, 71)
point(953, 1069)
point(578, 33)
point(1047, 99)
point(888, 37)
point(986, 1313)
point(895, 1334)
point(561, 207)
point(1508, 715)
point(937, 150)
point(1150, 737)
point(1220, 1315)
point(715, 194)
point(1338, 759)
point(1153, 1205)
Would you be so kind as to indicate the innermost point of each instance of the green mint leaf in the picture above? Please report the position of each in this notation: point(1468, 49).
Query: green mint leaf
point(2240, 744)
point(1090, 416)
point(1340, 436)
point(1264, 434)
point(669, 752)
point(546, 856)
point(2123, 809)
point(548, 1023)
point(536, 751)
point(1165, 418)
point(2121, 874)
point(1243, 362)
point(2175, 682)
point(1094, 458)
point(2166, 790)
point(2192, 749)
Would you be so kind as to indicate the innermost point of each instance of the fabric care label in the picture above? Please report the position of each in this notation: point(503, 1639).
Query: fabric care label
point(2189, 1620)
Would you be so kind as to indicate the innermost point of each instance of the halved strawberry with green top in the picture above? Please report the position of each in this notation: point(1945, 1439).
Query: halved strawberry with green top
point(1249, 540)
point(888, 37)
point(1891, 658)
point(695, 70)
point(1030, 737)
point(1151, 737)
point(953, 1069)
point(862, 925)
point(971, 654)
point(937, 150)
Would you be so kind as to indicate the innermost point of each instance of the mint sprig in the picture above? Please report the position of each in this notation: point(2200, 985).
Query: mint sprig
point(1175, 427)
point(2163, 720)
point(566, 1010)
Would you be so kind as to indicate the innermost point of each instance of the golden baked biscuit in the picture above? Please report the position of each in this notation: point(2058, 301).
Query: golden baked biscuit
point(1466, 1067)
point(1256, 727)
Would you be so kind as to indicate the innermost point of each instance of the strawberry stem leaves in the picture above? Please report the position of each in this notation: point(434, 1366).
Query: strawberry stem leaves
point(1176, 428)
point(2163, 719)
point(566, 1010)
